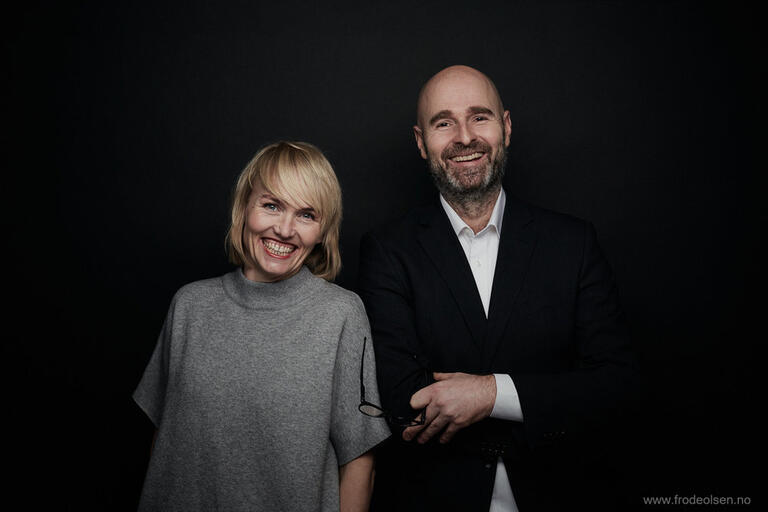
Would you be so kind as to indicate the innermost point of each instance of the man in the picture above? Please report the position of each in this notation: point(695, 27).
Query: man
point(495, 322)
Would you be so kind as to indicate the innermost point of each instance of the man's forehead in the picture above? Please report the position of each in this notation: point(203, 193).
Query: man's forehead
point(458, 92)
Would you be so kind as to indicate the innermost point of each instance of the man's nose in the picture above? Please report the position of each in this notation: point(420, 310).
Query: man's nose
point(284, 226)
point(464, 134)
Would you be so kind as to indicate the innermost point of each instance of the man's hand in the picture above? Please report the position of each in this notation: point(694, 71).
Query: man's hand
point(455, 401)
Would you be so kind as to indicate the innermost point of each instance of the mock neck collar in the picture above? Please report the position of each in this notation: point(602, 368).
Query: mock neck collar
point(277, 295)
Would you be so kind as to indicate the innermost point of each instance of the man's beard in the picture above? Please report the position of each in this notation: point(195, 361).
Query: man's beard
point(472, 186)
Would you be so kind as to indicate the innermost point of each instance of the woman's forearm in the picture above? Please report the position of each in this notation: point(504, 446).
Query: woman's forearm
point(356, 484)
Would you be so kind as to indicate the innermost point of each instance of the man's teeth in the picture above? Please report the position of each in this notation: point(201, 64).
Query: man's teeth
point(277, 248)
point(473, 156)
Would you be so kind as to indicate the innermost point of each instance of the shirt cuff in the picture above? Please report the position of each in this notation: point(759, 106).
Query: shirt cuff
point(507, 404)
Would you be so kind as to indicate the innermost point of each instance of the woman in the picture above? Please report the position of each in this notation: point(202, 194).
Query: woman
point(253, 383)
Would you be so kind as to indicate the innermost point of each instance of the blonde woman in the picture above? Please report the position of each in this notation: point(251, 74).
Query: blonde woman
point(253, 385)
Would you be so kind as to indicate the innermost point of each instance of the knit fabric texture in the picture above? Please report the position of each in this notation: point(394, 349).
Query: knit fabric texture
point(254, 388)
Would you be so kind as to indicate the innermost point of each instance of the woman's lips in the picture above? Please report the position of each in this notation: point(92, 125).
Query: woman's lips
point(277, 249)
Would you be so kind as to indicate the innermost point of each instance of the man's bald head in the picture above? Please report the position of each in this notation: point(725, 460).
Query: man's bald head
point(454, 83)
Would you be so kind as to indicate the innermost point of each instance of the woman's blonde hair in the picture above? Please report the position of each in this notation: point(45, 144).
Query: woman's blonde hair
point(294, 172)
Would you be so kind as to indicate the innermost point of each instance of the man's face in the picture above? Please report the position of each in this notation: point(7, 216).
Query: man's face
point(463, 133)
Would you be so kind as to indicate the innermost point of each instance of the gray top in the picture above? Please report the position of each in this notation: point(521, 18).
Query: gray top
point(254, 390)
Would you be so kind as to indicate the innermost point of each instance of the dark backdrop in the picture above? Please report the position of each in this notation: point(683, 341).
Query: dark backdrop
point(127, 123)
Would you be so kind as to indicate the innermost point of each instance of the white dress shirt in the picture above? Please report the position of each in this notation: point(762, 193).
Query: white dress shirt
point(481, 250)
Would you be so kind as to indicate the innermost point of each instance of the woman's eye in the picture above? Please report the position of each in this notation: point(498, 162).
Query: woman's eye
point(308, 216)
point(270, 206)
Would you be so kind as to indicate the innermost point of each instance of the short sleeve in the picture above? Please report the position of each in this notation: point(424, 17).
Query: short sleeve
point(352, 432)
point(150, 393)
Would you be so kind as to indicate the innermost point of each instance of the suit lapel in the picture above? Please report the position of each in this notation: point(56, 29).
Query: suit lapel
point(518, 239)
point(442, 246)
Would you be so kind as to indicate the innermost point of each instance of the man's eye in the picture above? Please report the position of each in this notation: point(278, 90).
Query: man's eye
point(442, 124)
point(481, 118)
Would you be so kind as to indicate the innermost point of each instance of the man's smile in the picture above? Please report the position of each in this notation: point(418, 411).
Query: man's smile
point(468, 158)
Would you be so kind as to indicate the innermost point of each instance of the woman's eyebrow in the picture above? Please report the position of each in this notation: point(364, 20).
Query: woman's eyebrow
point(270, 197)
point(308, 209)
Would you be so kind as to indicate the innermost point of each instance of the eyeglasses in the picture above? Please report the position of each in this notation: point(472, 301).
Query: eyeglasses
point(376, 411)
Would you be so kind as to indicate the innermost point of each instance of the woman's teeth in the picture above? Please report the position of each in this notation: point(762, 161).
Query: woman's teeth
point(278, 248)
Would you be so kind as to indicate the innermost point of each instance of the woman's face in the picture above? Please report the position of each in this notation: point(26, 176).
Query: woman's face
point(278, 236)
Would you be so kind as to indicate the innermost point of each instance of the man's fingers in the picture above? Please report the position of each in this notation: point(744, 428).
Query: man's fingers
point(435, 426)
point(410, 432)
point(446, 375)
point(449, 433)
point(421, 398)
point(454, 402)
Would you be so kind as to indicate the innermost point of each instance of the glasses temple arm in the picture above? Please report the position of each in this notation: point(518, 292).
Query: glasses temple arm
point(362, 363)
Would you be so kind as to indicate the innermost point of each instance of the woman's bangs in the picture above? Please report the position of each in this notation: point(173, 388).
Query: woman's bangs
point(288, 182)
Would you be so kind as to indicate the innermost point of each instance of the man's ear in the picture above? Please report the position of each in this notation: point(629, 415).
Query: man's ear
point(507, 128)
point(420, 141)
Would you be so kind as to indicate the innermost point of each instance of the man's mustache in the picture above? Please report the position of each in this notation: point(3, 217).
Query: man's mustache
point(459, 149)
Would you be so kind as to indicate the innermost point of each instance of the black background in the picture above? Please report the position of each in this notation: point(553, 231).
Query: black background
point(127, 123)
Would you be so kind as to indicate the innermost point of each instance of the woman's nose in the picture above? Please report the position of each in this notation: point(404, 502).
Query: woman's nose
point(284, 226)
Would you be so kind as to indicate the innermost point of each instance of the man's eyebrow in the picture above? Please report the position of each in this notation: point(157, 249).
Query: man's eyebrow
point(474, 110)
point(441, 115)
point(480, 110)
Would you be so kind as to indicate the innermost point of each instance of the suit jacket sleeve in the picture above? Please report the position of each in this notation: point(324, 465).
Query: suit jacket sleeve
point(593, 390)
point(401, 364)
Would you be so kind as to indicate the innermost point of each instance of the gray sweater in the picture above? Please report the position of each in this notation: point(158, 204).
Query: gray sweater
point(254, 390)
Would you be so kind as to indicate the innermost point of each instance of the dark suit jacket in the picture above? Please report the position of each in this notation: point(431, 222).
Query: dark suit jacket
point(554, 325)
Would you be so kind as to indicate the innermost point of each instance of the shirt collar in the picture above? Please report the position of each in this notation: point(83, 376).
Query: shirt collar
point(496, 216)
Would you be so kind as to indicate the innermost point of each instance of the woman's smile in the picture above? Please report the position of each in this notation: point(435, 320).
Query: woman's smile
point(277, 249)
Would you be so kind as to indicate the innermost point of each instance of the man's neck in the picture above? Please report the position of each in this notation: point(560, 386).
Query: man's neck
point(476, 212)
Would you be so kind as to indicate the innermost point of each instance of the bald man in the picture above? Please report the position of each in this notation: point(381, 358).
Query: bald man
point(501, 349)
